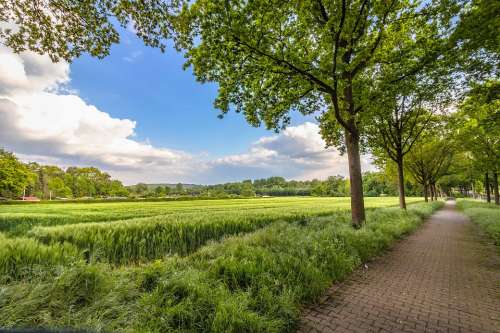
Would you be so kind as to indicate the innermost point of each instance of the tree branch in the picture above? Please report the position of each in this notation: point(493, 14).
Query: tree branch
point(310, 77)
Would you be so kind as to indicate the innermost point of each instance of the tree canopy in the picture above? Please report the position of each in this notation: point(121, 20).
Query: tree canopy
point(14, 175)
point(48, 181)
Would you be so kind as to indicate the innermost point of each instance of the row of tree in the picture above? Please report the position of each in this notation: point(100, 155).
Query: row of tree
point(374, 184)
point(452, 153)
point(19, 179)
point(47, 182)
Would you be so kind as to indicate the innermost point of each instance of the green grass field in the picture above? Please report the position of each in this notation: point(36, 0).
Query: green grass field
point(240, 265)
point(20, 218)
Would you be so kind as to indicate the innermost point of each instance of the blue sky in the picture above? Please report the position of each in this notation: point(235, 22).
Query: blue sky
point(139, 116)
point(171, 108)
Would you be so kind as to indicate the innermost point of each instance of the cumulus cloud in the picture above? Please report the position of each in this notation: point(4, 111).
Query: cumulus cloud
point(298, 152)
point(42, 120)
point(29, 73)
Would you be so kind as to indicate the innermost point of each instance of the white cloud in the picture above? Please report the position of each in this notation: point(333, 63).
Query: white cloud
point(42, 120)
point(29, 72)
point(298, 152)
point(39, 120)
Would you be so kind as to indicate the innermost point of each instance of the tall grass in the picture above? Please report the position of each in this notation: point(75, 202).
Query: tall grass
point(135, 240)
point(22, 258)
point(182, 231)
point(144, 239)
point(487, 216)
point(255, 282)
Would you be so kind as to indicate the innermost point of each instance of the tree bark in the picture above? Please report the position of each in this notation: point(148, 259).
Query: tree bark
point(355, 177)
point(495, 188)
point(487, 187)
point(426, 193)
point(432, 192)
point(401, 182)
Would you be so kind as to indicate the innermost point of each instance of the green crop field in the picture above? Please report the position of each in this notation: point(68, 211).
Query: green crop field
point(239, 265)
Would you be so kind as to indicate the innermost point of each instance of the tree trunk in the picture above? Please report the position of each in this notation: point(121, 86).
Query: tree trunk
point(426, 193)
point(432, 192)
point(495, 188)
point(355, 177)
point(401, 182)
point(487, 187)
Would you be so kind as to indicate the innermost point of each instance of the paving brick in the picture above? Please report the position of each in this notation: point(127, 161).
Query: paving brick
point(443, 278)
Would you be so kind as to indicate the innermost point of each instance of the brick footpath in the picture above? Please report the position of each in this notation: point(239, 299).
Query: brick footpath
point(443, 278)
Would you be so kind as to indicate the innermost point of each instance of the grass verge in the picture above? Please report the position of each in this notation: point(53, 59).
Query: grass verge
point(486, 215)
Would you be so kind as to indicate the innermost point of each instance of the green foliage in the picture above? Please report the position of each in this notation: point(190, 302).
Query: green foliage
point(47, 181)
point(377, 184)
point(66, 29)
point(58, 188)
point(14, 175)
point(432, 155)
point(476, 130)
point(479, 24)
point(478, 124)
point(477, 39)
point(246, 283)
point(140, 188)
point(487, 216)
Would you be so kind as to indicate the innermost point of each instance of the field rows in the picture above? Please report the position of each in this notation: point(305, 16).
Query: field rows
point(18, 219)
point(60, 233)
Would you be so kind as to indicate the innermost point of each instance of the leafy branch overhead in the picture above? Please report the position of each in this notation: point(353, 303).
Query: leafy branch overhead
point(64, 29)
point(268, 57)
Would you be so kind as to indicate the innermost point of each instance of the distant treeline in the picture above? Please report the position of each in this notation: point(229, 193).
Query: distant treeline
point(374, 183)
point(52, 182)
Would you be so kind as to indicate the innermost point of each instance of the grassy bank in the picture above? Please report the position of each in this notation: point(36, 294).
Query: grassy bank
point(486, 215)
point(256, 282)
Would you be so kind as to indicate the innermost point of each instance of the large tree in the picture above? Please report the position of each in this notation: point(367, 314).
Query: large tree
point(394, 133)
point(273, 57)
point(431, 157)
point(400, 113)
point(268, 57)
point(478, 128)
